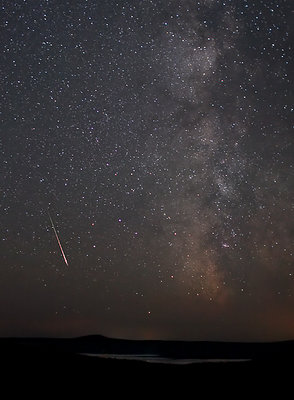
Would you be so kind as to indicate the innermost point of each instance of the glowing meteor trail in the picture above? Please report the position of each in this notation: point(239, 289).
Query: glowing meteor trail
point(58, 241)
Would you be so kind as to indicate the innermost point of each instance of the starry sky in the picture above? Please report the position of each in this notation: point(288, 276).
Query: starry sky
point(157, 135)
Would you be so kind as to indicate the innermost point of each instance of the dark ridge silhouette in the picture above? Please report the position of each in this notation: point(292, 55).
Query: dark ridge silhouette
point(97, 344)
point(64, 365)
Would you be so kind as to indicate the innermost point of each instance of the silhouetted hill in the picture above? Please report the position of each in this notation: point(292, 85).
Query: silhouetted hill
point(97, 344)
point(60, 363)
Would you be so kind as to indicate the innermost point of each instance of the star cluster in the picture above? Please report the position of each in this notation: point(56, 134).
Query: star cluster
point(159, 136)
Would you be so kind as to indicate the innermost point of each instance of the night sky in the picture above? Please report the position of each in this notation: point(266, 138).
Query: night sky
point(158, 137)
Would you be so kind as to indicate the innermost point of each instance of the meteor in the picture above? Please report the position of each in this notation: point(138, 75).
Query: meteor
point(58, 241)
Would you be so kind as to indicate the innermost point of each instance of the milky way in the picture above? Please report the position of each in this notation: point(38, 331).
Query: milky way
point(158, 134)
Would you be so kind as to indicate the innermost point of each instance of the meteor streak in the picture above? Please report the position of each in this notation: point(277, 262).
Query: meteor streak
point(58, 241)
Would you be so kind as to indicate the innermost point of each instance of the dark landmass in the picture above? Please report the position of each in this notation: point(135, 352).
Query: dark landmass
point(96, 344)
point(61, 364)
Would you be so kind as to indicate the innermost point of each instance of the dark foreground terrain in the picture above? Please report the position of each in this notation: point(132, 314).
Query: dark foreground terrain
point(44, 366)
